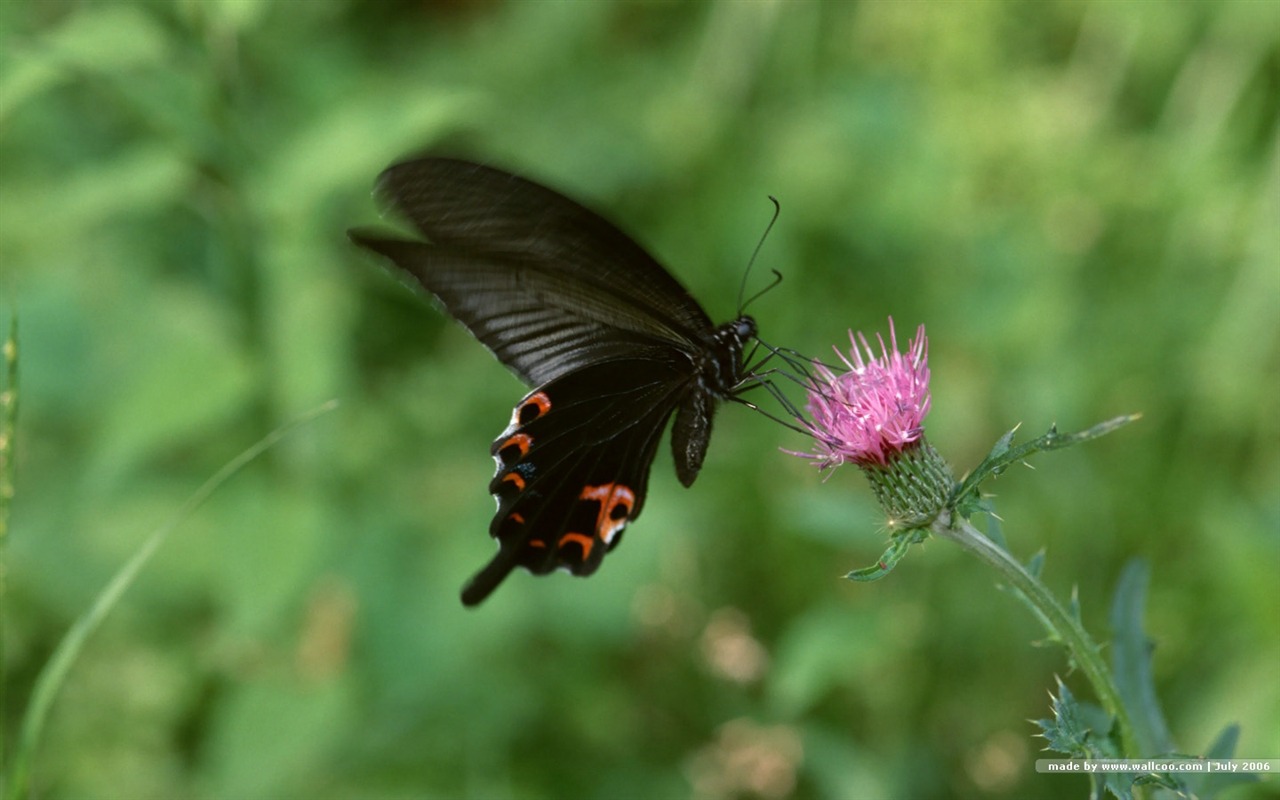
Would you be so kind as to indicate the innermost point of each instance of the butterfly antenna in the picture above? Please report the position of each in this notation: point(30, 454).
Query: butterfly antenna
point(777, 279)
point(742, 289)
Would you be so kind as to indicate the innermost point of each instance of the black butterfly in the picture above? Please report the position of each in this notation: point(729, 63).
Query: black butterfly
point(613, 343)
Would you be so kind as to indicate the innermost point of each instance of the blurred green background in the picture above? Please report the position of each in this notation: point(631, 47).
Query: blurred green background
point(1080, 200)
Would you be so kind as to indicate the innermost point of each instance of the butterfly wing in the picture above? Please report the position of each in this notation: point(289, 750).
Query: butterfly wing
point(544, 283)
point(573, 466)
point(575, 307)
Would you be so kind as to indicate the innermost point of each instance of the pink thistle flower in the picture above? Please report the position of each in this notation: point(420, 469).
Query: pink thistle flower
point(875, 411)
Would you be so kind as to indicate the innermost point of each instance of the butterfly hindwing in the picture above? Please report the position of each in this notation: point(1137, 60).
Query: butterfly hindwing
point(573, 466)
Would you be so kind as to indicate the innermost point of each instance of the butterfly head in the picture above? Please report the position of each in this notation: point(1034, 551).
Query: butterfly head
point(722, 362)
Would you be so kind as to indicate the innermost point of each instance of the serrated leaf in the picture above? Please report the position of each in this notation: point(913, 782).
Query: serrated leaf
point(1066, 732)
point(968, 504)
point(1103, 726)
point(897, 549)
point(995, 529)
point(1081, 730)
point(1120, 784)
point(995, 462)
point(1131, 661)
point(966, 496)
point(1161, 779)
point(1225, 745)
point(1003, 444)
point(1208, 785)
point(1036, 564)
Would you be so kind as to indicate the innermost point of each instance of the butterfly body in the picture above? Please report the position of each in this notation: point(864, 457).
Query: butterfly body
point(612, 343)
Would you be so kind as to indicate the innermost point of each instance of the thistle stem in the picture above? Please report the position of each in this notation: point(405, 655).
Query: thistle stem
point(1060, 622)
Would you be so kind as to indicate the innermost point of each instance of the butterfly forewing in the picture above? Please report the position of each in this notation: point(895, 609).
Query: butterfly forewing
point(479, 209)
point(502, 301)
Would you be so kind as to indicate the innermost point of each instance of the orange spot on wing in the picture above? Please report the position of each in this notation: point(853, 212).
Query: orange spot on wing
point(616, 502)
point(515, 478)
point(586, 541)
point(529, 409)
point(539, 401)
point(521, 441)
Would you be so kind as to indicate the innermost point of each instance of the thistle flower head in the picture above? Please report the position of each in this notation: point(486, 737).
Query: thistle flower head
point(873, 415)
point(874, 411)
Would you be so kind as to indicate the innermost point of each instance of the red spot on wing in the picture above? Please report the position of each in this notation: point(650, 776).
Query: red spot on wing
point(534, 406)
point(616, 502)
point(585, 541)
point(529, 409)
point(514, 478)
point(520, 441)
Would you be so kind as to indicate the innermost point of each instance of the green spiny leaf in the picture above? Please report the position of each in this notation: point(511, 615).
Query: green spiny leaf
point(1066, 733)
point(995, 528)
point(1080, 730)
point(966, 499)
point(1206, 786)
point(1225, 745)
point(897, 549)
point(1036, 564)
point(1131, 661)
point(1162, 779)
point(1003, 444)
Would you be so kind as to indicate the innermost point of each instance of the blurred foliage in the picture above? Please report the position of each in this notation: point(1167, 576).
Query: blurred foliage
point(1080, 200)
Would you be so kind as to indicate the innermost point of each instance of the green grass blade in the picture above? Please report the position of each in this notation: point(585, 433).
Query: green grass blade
point(54, 673)
point(8, 425)
point(8, 430)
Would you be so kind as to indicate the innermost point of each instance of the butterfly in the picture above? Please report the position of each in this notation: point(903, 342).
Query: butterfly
point(611, 343)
